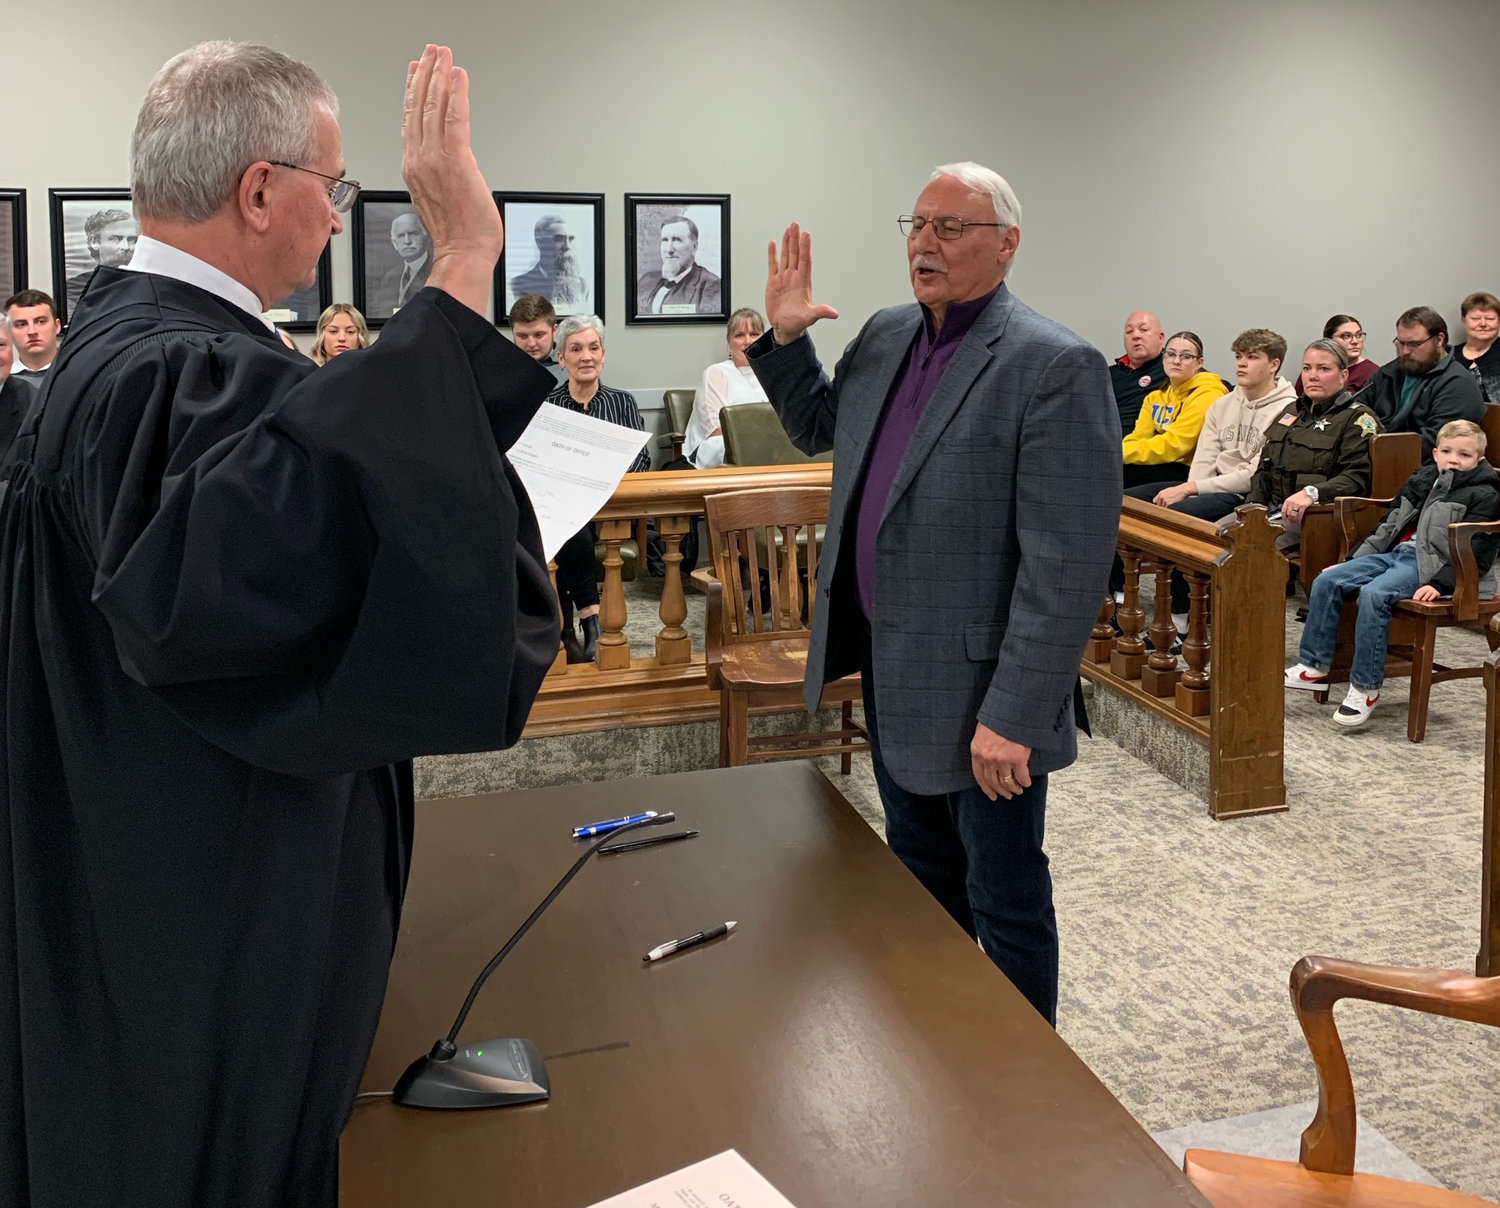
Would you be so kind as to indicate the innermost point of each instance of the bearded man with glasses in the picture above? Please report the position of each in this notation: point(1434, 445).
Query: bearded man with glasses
point(1424, 387)
point(240, 593)
point(975, 508)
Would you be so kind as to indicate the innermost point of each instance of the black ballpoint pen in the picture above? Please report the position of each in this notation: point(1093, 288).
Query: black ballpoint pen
point(672, 946)
point(655, 839)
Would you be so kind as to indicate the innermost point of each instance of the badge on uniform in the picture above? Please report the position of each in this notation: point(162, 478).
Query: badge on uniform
point(1366, 424)
point(1145, 380)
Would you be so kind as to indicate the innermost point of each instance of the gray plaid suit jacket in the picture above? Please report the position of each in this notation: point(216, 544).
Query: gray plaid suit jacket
point(995, 545)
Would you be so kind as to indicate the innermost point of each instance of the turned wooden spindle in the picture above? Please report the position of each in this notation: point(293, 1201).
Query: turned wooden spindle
point(673, 646)
point(1160, 674)
point(560, 663)
point(613, 652)
point(1193, 690)
point(1102, 636)
point(1130, 648)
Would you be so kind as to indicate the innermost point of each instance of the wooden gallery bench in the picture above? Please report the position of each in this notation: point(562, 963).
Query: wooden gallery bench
point(1226, 688)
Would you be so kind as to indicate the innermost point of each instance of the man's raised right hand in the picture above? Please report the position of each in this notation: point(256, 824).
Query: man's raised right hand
point(448, 191)
point(789, 306)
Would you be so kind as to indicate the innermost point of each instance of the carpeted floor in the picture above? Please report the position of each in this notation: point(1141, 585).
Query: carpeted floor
point(1178, 932)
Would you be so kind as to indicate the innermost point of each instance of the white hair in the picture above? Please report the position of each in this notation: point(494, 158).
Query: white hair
point(984, 180)
point(573, 324)
point(209, 114)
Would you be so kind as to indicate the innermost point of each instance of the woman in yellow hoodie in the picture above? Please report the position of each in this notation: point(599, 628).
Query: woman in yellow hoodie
point(1161, 447)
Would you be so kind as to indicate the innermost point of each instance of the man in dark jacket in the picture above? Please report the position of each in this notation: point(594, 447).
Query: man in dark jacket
point(1139, 371)
point(1407, 556)
point(1424, 387)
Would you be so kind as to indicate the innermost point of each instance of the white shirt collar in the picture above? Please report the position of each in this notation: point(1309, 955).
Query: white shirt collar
point(153, 256)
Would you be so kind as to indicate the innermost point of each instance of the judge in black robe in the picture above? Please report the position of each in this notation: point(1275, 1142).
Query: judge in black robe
point(239, 594)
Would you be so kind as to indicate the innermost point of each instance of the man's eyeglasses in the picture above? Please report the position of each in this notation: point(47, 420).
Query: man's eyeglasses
point(341, 193)
point(1412, 345)
point(943, 228)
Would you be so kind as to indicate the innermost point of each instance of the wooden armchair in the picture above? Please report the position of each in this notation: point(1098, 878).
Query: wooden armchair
point(1394, 457)
point(1325, 1175)
point(1414, 626)
point(757, 656)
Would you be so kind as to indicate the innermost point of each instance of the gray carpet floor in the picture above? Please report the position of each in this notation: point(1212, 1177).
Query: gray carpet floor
point(1178, 932)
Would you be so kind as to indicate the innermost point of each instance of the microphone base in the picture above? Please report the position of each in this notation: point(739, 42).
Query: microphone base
point(489, 1073)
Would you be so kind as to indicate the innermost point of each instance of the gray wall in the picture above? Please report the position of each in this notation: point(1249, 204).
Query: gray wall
point(1226, 165)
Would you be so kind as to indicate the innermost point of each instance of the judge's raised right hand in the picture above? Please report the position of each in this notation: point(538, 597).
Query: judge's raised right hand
point(448, 191)
point(789, 306)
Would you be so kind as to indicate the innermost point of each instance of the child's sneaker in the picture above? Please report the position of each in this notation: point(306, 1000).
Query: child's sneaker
point(1357, 707)
point(1300, 675)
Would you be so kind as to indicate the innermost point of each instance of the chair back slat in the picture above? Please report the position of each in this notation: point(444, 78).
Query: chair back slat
point(743, 523)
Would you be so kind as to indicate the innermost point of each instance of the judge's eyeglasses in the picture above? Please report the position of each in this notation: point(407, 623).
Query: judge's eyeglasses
point(341, 193)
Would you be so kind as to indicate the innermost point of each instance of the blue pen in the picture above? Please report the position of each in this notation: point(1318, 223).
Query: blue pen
point(603, 828)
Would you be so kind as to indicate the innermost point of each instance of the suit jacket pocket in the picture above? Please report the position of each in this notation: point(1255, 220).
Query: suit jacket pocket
point(982, 641)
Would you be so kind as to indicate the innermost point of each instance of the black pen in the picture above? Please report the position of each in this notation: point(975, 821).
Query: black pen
point(633, 844)
point(672, 946)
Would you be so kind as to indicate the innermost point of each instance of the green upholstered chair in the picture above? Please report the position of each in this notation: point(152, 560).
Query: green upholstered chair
point(679, 411)
point(753, 436)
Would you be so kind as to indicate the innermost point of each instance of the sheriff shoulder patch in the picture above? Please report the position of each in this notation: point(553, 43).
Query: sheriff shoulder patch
point(1366, 424)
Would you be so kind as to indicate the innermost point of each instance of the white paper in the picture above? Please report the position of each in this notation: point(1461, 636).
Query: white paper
point(725, 1178)
point(570, 464)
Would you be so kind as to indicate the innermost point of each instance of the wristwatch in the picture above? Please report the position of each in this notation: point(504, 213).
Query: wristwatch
point(1312, 493)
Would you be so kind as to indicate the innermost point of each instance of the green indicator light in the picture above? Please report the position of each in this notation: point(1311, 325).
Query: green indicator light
point(479, 1052)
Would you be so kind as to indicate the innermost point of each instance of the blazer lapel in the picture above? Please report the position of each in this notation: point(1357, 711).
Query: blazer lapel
point(974, 353)
point(876, 378)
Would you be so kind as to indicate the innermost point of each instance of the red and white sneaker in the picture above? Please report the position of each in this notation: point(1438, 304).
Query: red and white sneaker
point(1357, 707)
point(1300, 675)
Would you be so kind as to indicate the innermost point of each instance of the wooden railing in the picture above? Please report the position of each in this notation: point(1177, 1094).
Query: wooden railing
point(1229, 693)
point(1488, 962)
point(626, 687)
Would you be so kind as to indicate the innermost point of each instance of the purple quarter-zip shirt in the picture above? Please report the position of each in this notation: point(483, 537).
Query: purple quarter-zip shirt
point(923, 368)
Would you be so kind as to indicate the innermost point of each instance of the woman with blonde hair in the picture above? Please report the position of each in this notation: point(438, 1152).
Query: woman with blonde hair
point(340, 328)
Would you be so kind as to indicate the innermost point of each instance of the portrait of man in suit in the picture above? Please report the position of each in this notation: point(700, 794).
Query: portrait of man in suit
point(974, 514)
point(558, 274)
point(402, 281)
point(110, 236)
point(680, 285)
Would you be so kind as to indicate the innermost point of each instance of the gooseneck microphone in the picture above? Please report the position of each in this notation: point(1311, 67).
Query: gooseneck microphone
point(492, 1073)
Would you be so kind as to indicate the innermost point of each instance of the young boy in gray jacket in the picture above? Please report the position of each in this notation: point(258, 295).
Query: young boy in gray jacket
point(1406, 557)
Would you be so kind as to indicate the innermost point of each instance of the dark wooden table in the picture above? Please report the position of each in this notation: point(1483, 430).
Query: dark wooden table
point(848, 1039)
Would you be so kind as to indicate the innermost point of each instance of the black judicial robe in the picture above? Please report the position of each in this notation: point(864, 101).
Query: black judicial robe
point(237, 594)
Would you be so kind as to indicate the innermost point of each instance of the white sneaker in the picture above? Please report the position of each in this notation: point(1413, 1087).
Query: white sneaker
point(1180, 619)
point(1119, 597)
point(1357, 707)
point(1300, 675)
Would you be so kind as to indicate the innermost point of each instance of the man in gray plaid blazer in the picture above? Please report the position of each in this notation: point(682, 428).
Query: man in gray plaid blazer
point(976, 504)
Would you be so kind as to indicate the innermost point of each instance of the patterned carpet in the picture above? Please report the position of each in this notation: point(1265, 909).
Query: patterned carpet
point(1178, 932)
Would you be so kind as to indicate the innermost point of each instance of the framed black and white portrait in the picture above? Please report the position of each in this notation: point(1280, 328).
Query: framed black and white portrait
point(676, 258)
point(90, 227)
point(301, 310)
point(392, 253)
point(554, 246)
point(12, 241)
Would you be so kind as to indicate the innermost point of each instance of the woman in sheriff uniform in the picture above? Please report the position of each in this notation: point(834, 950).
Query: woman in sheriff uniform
point(1319, 447)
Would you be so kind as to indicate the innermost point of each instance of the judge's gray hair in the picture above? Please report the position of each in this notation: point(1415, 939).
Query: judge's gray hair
point(983, 180)
point(209, 114)
point(573, 324)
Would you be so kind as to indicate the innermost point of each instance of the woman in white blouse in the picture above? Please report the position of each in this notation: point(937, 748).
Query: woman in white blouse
point(724, 384)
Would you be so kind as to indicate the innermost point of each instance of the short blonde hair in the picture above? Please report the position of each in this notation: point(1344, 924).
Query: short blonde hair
point(1465, 429)
point(328, 316)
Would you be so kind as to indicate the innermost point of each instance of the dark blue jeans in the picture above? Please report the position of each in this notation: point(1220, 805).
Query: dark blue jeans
point(1381, 581)
point(983, 861)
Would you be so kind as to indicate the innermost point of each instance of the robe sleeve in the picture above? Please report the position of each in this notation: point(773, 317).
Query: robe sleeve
point(353, 577)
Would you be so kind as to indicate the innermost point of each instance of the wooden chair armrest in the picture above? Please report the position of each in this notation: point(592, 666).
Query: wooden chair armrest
point(1358, 517)
point(1317, 983)
point(669, 439)
point(1465, 569)
point(714, 643)
point(702, 577)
